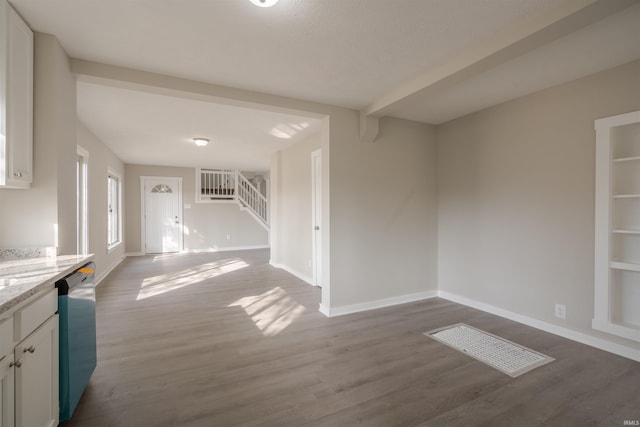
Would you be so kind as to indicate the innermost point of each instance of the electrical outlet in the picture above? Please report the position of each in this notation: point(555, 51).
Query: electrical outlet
point(561, 311)
point(228, 236)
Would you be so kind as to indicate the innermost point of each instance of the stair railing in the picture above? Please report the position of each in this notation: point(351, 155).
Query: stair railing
point(217, 184)
point(249, 196)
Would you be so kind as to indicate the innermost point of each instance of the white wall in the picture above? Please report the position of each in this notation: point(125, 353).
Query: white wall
point(28, 217)
point(291, 192)
point(383, 212)
point(206, 224)
point(101, 159)
point(516, 186)
point(375, 246)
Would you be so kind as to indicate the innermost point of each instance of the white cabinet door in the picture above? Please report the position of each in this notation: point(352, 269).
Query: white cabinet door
point(36, 380)
point(19, 138)
point(6, 391)
point(16, 99)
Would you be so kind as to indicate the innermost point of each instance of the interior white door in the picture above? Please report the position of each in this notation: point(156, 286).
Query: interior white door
point(162, 215)
point(316, 209)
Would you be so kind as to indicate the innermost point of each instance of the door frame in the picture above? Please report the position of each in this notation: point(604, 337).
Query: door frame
point(143, 211)
point(82, 201)
point(316, 198)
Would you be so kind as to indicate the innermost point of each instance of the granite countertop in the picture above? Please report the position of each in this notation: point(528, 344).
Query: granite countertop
point(23, 278)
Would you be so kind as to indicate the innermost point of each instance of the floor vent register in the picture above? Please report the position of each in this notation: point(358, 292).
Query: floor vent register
point(501, 354)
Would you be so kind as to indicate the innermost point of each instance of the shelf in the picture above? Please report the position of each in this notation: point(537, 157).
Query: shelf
point(617, 226)
point(626, 231)
point(626, 196)
point(626, 159)
point(628, 266)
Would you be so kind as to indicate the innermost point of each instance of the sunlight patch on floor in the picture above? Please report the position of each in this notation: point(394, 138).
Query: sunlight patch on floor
point(164, 283)
point(272, 312)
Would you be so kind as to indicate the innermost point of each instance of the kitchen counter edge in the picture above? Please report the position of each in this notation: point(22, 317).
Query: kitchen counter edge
point(29, 290)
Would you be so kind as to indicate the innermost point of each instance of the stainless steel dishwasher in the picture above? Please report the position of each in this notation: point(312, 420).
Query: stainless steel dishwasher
point(77, 314)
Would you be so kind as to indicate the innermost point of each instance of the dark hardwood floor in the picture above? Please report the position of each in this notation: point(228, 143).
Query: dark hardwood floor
point(225, 340)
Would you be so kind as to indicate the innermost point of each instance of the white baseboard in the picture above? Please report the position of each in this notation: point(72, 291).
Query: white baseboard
point(128, 254)
point(561, 331)
point(290, 270)
point(200, 251)
point(324, 310)
point(225, 249)
point(372, 305)
point(109, 270)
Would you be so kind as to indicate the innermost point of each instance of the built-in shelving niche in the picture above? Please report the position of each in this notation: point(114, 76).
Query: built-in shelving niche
point(617, 257)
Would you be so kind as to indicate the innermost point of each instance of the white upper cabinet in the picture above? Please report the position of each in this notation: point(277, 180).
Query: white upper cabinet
point(16, 100)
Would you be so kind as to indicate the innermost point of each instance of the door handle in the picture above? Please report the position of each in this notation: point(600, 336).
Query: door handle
point(316, 228)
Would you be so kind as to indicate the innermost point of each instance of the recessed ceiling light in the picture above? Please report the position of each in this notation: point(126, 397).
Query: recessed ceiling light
point(264, 3)
point(201, 142)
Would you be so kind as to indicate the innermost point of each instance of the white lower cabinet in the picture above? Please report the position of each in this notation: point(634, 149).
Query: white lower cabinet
point(36, 380)
point(29, 364)
point(7, 376)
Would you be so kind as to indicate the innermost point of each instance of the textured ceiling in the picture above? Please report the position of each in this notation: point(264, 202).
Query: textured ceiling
point(340, 52)
point(602, 45)
point(351, 53)
point(150, 129)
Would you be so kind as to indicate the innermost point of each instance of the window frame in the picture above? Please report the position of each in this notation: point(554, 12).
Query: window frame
point(114, 183)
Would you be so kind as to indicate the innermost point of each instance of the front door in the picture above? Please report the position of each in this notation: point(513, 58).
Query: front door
point(162, 214)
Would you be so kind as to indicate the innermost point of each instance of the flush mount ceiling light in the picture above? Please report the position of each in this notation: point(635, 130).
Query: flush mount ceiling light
point(264, 3)
point(201, 142)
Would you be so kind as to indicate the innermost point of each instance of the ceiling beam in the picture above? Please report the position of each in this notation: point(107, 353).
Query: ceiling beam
point(524, 36)
point(162, 84)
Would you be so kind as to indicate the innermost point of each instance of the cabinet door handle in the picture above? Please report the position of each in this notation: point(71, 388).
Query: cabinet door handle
point(30, 349)
point(17, 364)
point(18, 174)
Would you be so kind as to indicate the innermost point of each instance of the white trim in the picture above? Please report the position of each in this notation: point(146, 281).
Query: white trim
point(80, 151)
point(580, 337)
point(82, 219)
point(200, 251)
point(324, 310)
point(111, 172)
point(114, 247)
point(316, 199)
point(620, 120)
point(225, 249)
point(371, 305)
point(252, 215)
point(109, 269)
point(290, 270)
point(221, 201)
point(143, 225)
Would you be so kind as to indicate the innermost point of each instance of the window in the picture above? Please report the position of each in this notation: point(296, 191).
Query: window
point(161, 188)
point(114, 211)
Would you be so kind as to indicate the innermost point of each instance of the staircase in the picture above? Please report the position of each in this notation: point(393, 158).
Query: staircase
point(232, 185)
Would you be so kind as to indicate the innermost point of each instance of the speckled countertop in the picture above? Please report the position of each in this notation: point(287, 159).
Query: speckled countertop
point(22, 278)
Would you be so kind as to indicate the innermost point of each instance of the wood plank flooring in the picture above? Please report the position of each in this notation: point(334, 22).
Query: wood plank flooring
point(226, 340)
